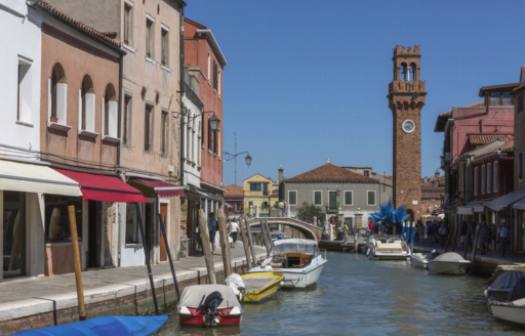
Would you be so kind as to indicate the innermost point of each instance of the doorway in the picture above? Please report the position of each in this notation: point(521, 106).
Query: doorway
point(94, 234)
point(164, 216)
point(14, 242)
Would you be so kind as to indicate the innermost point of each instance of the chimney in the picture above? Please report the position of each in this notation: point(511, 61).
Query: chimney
point(280, 175)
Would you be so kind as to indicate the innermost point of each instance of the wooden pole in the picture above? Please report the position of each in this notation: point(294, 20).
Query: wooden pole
point(145, 245)
point(168, 250)
point(250, 241)
point(245, 243)
point(208, 257)
point(225, 245)
point(76, 262)
point(265, 232)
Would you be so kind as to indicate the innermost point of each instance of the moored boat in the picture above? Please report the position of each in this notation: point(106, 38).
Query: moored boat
point(387, 248)
point(421, 260)
point(299, 261)
point(104, 325)
point(506, 297)
point(448, 263)
point(209, 306)
point(260, 286)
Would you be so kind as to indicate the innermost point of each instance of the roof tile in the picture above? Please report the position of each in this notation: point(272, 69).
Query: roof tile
point(329, 172)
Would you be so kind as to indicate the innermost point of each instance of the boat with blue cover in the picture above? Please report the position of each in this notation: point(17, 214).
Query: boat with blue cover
point(104, 326)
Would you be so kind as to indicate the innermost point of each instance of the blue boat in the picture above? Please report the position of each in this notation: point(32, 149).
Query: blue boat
point(104, 326)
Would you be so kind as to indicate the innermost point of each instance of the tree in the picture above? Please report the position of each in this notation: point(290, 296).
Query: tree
point(307, 212)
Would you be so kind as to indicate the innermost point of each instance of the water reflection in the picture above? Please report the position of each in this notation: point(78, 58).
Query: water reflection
point(356, 296)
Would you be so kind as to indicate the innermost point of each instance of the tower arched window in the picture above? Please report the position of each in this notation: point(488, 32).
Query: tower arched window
point(403, 72)
point(110, 112)
point(411, 72)
point(87, 105)
point(57, 95)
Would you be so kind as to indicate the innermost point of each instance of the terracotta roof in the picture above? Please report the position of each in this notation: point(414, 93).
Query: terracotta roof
point(233, 190)
point(484, 138)
point(508, 87)
point(329, 172)
point(102, 37)
point(441, 121)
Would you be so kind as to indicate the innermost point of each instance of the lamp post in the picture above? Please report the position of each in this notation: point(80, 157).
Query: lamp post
point(233, 156)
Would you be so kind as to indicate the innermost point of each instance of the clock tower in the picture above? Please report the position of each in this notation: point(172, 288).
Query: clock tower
point(406, 97)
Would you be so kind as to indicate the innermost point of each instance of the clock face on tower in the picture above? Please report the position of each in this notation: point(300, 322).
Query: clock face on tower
point(408, 126)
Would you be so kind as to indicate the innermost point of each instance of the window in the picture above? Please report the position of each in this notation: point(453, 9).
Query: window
point(215, 141)
point(132, 224)
point(128, 24)
point(349, 198)
point(150, 38)
point(215, 76)
point(489, 177)
point(164, 134)
point(219, 83)
point(332, 200)
point(483, 179)
point(495, 176)
point(57, 96)
point(87, 105)
point(210, 138)
point(165, 47)
point(476, 181)
point(209, 68)
point(371, 197)
point(255, 186)
point(148, 127)
point(292, 197)
point(318, 198)
point(110, 112)
point(411, 72)
point(403, 72)
point(126, 120)
point(520, 166)
point(197, 144)
point(14, 239)
point(24, 101)
point(56, 220)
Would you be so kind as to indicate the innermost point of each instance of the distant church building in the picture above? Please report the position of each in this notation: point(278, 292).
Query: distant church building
point(406, 95)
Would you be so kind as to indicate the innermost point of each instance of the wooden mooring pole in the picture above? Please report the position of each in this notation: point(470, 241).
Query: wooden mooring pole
point(245, 243)
point(250, 241)
point(208, 257)
point(76, 262)
point(265, 232)
point(225, 244)
point(145, 245)
point(168, 250)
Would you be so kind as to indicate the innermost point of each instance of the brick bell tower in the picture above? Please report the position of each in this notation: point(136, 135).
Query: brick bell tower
point(406, 96)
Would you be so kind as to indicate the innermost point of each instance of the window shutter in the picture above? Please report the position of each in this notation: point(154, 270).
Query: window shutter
point(112, 122)
point(62, 103)
point(90, 111)
point(80, 109)
point(49, 98)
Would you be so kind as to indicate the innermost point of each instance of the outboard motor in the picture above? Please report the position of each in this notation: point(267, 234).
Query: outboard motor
point(208, 306)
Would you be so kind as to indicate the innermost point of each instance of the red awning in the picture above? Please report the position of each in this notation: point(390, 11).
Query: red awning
point(104, 188)
point(161, 188)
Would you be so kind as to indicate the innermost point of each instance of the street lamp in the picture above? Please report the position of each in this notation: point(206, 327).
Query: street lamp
point(233, 156)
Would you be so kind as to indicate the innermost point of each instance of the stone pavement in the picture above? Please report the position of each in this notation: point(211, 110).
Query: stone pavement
point(29, 296)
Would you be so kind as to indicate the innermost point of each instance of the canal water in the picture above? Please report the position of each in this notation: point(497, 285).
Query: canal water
point(357, 296)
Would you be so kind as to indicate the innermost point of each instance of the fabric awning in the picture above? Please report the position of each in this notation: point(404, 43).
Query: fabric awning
point(520, 205)
point(33, 178)
point(470, 208)
point(104, 188)
point(161, 188)
point(504, 201)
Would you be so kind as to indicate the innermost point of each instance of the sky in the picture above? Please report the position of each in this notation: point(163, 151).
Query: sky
point(306, 80)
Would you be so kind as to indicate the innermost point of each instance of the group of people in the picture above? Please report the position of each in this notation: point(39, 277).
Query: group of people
point(232, 229)
point(488, 235)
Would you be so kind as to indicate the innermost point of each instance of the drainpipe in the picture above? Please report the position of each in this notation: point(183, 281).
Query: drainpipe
point(181, 73)
point(121, 101)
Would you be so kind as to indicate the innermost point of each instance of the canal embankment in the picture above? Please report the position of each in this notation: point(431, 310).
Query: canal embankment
point(43, 301)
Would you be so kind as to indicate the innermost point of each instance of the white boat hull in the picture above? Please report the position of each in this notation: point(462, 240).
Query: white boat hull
point(302, 277)
point(448, 267)
point(508, 312)
point(388, 256)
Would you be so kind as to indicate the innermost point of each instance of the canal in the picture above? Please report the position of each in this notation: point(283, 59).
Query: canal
point(356, 296)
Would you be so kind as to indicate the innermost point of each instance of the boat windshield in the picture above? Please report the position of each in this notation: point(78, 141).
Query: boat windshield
point(298, 247)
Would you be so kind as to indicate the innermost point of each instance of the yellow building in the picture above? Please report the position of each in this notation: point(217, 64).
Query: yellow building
point(259, 196)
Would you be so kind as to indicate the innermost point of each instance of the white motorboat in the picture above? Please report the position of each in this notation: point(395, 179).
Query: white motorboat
point(387, 248)
point(299, 260)
point(506, 297)
point(448, 263)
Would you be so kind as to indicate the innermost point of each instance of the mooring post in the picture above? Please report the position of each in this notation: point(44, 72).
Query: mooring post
point(145, 244)
point(250, 241)
point(168, 250)
point(245, 243)
point(225, 244)
point(206, 247)
point(76, 262)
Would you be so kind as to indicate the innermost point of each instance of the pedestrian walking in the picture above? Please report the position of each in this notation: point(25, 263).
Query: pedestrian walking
point(484, 237)
point(212, 230)
point(234, 232)
point(503, 236)
point(442, 231)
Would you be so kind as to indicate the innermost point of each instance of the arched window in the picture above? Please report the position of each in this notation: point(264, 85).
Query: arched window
point(110, 112)
point(87, 105)
point(57, 95)
point(411, 72)
point(403, 72)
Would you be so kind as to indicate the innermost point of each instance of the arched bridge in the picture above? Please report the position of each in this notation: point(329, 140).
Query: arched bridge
point(310, 231)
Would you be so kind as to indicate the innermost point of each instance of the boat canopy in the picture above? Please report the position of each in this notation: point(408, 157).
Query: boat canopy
point(449, 256)
point(295, 245)
point(193, 296)
point(508, 286)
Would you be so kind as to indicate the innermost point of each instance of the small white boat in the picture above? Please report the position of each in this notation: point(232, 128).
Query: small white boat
point(299, 261)
point(387, 248)
point(448, 263)
point(506, 297)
